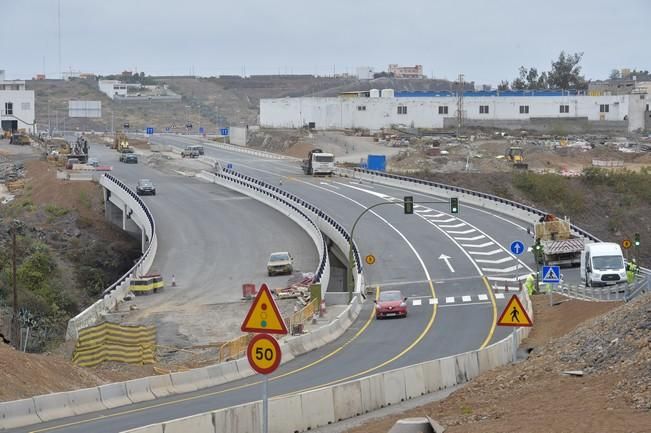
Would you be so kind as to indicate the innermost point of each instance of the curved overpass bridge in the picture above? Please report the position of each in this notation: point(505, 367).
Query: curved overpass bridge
point(453, 304)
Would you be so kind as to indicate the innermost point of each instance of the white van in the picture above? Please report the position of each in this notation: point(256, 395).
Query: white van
point(602, 264)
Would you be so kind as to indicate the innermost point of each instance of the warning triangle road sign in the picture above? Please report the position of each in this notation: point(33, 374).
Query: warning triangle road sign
point(514, 314)
point(263, 316)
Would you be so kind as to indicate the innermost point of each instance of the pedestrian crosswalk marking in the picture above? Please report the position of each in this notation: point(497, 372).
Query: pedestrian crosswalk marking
point(449, 300)
point(483, 297)
point(417, 302)
point(499, 295)
point(433, 301)
point(465, 299)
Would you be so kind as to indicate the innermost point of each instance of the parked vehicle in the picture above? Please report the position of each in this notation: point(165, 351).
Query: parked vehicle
point(71, 162)
point(145, 186)
point(280, 263)
point(199, 149)
point(94, 162)
point(318, 162)
point(559, 245)
point(391, 304)
point(602, 264)
point(129, 158)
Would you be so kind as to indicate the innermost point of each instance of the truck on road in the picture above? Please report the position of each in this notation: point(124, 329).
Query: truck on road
point(559, 246)
point(319, 162)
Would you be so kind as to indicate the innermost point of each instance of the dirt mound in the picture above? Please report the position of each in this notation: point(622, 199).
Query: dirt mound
point(534, 396)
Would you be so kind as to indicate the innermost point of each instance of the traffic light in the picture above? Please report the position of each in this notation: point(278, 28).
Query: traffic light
point(454, 205)
point(538, 251)
point(637, 239)
point(409, 205)
point(126, 125)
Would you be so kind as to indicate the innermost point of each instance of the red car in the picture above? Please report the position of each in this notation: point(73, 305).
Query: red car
point(391, 304)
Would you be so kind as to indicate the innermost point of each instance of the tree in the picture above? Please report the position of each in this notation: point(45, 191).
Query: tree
point(614, 75)
point(566, 72)
point(504, 85)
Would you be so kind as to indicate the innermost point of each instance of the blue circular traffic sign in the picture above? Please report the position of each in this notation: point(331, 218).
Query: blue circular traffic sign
point(517, 247)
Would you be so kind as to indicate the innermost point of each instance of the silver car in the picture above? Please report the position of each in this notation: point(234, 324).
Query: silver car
point(280, 263)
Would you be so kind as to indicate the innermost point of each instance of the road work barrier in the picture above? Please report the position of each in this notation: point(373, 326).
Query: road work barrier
point(113, 342)
point(312, 409)
point(116, 292)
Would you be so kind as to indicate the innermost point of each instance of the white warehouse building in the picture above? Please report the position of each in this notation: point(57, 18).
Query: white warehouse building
point(16, 106)
point(513, 109)
point(113, 88)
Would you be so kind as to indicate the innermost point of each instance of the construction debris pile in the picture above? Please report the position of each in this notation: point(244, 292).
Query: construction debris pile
point(298, 286)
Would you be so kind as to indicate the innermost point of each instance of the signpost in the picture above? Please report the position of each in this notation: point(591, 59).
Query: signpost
point(263, 352)
point(201, 130)
point(551, 275)
point(514, 315)
point(224, 132)
point(150, 131)
point(517, 248)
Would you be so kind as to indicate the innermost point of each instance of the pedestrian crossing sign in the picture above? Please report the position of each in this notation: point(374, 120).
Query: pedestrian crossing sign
point(514, 314)
point(551, 274)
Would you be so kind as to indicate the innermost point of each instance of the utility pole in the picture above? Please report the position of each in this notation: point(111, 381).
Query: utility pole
point(460, 107)
point(59, 37)
point(14, 319)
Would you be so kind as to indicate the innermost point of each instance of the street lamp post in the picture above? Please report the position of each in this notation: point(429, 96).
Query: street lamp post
point(351, 282)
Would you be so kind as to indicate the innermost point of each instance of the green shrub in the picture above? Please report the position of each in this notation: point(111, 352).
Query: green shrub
point(56, 211)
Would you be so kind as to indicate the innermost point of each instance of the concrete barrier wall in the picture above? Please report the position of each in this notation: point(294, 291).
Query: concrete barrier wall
point(312, 409)
point(18, 413)
point(115, 294)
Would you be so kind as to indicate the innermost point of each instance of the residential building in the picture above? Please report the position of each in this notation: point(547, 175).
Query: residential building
point(16, 105)
point(406, 71)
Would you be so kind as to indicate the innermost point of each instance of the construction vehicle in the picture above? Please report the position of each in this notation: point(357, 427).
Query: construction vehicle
point(516, 156)
point(555, 244)
point(319, 162)
point(79, 150)
point(121, 143)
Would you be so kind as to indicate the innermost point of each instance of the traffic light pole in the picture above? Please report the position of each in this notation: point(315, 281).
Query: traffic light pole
point(351, 282)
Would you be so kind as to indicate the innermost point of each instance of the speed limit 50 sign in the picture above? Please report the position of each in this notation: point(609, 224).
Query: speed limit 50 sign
point(263, 353)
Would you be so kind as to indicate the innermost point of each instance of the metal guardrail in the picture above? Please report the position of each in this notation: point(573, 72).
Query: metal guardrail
point(619, 292)
point(634, 291)
point(150, 217)
point(338, 227)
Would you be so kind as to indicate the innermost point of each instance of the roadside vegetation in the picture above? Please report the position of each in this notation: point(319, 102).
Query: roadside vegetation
point(612, 205)
point(66, 255)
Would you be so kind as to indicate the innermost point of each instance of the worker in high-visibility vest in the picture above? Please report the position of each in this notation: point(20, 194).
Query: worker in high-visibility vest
point(530, 283)
point(631, 271)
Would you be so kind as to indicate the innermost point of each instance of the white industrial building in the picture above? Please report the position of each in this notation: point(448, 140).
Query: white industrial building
point(113, 88)
point(375, 110)
point(16, 105)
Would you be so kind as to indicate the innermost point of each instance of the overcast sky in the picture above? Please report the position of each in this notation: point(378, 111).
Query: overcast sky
point(485, 40)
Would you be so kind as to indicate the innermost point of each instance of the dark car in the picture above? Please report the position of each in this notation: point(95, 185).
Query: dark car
point(129, 158)
point(145, 186)
point(391, 304)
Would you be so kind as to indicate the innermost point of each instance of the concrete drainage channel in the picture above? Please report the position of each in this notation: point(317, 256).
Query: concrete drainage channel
point(66, 404)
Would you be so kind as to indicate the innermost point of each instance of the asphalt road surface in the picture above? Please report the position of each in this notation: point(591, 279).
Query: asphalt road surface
point(452, 307)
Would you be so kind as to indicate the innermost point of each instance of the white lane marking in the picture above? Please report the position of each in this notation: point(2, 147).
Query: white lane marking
point(448, 220)
point(501, 270)
point(483, 297)
point(502, 260)
point(461, 232)
point(474, 238)
point(465, 299)
point(446, 259)
point(449, 300)
point(499, 295)
point(464, 305)
point(520, 277)
point(486, 253)
point(433, 301)
point(416, 302)
point(330, 185)
point(452, 226)
point(485, 244)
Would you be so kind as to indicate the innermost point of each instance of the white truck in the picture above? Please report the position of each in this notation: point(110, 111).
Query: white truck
point(602, 264)
point(319, 162)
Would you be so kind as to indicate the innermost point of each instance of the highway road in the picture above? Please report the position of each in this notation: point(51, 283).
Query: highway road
point(452, 306)
point(213, 241)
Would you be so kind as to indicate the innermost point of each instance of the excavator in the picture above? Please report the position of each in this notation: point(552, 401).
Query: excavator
point(121, 143)
point(516, 156)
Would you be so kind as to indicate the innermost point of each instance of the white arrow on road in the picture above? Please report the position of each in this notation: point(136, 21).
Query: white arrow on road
point(447, 261)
